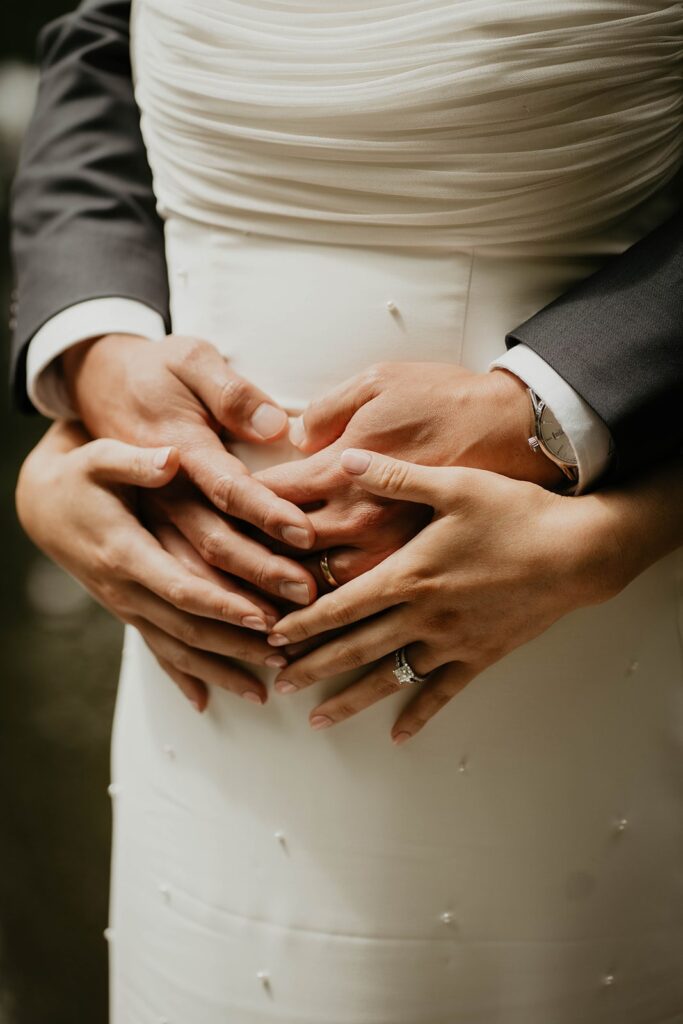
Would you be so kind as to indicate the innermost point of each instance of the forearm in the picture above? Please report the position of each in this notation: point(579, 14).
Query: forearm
point(636, 523)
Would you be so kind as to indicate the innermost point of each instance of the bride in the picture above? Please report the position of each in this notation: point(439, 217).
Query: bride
point(335, 196)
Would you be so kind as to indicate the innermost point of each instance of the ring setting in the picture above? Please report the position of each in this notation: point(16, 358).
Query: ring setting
point(403, 670)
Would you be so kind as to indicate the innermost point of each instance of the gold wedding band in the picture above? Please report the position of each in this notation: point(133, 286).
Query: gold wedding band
point(326, 571)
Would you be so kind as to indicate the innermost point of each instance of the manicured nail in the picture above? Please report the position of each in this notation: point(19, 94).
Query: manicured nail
point(297, 431)
point(161, 458)
point(296, 536)
point(400, 737)
point(268, 421)
point(255, 698)
point(320, 722)
point(275, 661)
point(293, 591)
point(277, 640)
point(355, 461)
point(254, 622)
point(284, 686)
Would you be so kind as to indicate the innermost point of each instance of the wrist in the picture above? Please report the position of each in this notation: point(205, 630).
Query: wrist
point(86, 365)
point(507, 396)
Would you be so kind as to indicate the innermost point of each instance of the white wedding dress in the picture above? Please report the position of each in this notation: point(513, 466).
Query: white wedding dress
point(521, 861)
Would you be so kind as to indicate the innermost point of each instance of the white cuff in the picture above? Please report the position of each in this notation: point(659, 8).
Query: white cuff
point(587, 433)
point(44, 383)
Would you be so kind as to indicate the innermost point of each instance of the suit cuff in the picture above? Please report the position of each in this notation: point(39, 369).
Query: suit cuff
point(44, 382)
point(585, 430)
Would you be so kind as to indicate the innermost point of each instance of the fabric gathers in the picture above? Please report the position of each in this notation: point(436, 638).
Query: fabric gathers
point(417, 123)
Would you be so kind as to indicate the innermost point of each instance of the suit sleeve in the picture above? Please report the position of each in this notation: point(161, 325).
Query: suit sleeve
point(617, 339)
point(83, 213)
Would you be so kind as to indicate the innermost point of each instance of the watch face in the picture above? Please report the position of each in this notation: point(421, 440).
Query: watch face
point(554, 438)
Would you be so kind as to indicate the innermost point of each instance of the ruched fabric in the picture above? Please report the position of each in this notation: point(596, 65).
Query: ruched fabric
point(417, 123)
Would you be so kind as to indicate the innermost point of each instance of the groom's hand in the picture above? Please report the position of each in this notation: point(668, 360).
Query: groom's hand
point(182, 392)
point(431, 413)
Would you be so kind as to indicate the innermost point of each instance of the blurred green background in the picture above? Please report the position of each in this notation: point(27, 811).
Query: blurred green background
point(59, 661)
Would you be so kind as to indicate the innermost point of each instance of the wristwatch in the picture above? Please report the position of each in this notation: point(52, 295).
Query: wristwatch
point(549, 437)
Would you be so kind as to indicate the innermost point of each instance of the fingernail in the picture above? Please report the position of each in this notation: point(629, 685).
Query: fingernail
point(401, 737)
point(298, 592)
point(284, 686)
point(320, 722)
point(161, 458)
point(253, 622)
point(267, 420)
point(254, 698)
point(355, 461)
point(297, 432)
point(196, 705)
point(277, 640)
point(275, 661)
point(297, 536)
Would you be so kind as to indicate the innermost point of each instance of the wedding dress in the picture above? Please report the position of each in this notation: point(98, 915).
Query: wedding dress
point(345, 182)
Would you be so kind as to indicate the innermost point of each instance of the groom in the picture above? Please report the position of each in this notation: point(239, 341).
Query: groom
point(92, 292)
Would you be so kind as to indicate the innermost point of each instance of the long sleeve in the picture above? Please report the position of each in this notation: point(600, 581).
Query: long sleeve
point(617, 339)
point(84, 220)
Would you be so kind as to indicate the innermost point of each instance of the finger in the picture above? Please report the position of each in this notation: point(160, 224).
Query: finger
point(343, 565)
point(209, 668)
point(205, 634)
point(373, 592)
point(245, 410)
point(431, 697)
point(226, 483)
point(194, 689)
point(146, 563)
point(377, 684)
point(221, 545)
point(115, 462)
point(405, 481)
point(302, 481)
point(350, 650)
point(177, 545)
point(326, 418)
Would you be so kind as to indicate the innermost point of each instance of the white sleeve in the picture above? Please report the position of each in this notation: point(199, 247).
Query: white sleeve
point(587, 433)
point(44, 382)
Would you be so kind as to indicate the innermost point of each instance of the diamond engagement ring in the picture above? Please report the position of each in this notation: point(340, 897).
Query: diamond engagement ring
point(403, 670)
point(326, 571)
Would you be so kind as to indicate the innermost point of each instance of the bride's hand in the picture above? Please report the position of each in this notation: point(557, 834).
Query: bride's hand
point(75, 500)
point(499, 563)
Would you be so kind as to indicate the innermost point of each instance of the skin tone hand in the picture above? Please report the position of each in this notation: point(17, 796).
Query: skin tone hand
point(485, 576)
point(438, 414)
point(189, 615)
point(182, 392)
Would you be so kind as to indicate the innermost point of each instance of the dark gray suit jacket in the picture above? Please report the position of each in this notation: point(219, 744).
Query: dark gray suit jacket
point(85, 226)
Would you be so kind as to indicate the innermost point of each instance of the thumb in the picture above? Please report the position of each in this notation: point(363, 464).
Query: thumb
point(326, 418)
point(113, 462)
point(392, 478)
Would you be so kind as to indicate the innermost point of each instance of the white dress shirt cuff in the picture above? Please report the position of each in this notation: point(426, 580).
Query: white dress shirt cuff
point(44, 382)
point(587, 433)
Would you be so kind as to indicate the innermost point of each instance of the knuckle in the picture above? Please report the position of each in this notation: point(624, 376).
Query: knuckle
point(176, 594)
point(210, 547)
point(223, 493)
point(385, 687)
point(182, 660)
point(189, 351)
point(350, 656)
point(344, 709)
point(235, 394)
point(393, 477)
point(189, 633)
point(307, 676)
point(339, 614)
